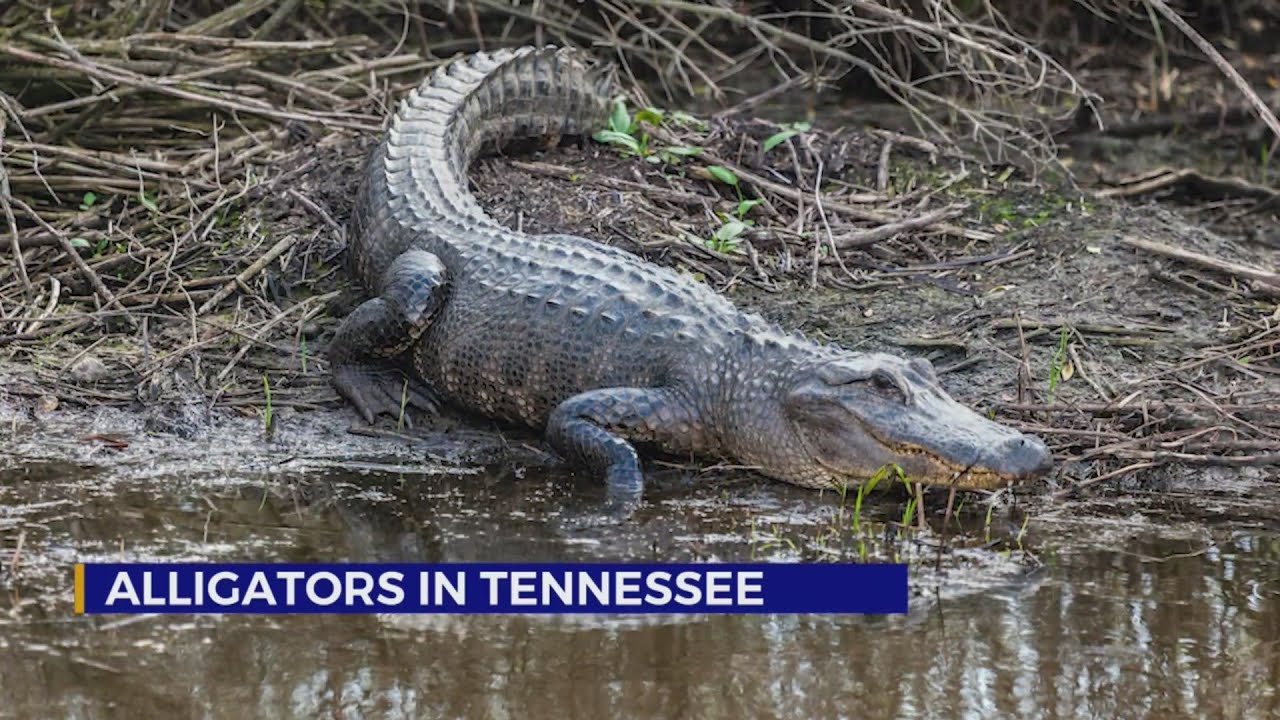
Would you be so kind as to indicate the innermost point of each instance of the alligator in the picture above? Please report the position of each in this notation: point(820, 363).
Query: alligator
point(596, 347)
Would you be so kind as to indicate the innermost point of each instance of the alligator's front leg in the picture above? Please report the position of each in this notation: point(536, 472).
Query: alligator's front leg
point(364, 349)
point(596, 429)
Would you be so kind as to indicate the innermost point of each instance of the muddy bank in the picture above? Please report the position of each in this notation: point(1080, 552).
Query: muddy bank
point(101, 485)
point(1068, 614)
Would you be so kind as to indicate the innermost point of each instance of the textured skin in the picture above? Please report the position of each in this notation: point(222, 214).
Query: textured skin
point(594, 345)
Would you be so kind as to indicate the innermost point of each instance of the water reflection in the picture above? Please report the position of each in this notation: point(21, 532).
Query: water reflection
point(1107, 635)
point(1150, 625)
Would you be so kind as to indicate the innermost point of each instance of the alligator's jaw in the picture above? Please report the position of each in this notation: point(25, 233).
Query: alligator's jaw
point(920, 465)
point(853, 414)
point(1030, 459)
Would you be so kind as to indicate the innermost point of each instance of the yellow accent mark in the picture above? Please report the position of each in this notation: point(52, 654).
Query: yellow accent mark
point(79, 588)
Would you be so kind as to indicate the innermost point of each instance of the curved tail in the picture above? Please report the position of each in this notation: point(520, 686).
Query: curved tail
point(416, 186)
point(480, 103)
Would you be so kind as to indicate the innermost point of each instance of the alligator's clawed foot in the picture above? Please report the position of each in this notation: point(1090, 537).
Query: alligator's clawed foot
point(619, 508)
point(624, 488)
point(377, 390)
point(624, 492)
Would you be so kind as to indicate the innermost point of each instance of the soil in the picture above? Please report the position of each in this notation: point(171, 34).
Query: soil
point(1046, 280)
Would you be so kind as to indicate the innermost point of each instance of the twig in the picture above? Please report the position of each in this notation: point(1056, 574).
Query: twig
point(795, 194)
point(18, 260)
point(1095, 480)
point(743, 106)
point(1214, 56)
point(225, 291)
point(55, 292)
point(1093, 328)
point(1194, 459)
point(1084, 374)
point(1168, 177)
point(131, 79)
point(882, 171)
point(105, 294)
point(883, 232)
point(319, 211)
point(1269, 279)
point(262, 331)
point(216, 23)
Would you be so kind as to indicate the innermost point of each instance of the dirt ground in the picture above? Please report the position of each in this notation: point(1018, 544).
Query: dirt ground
point(1167, 404)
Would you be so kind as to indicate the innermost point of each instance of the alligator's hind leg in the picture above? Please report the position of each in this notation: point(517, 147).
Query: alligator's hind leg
point(596, 429)
point(365, 348)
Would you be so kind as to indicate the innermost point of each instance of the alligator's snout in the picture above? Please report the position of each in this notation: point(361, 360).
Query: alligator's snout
point(1022, 456)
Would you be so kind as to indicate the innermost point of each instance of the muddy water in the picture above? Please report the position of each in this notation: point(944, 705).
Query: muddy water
point(1091, 618)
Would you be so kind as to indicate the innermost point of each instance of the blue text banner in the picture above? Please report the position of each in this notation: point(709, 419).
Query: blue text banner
point(507, 588)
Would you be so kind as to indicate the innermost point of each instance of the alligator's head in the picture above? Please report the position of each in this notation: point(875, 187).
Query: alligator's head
point(840, 419)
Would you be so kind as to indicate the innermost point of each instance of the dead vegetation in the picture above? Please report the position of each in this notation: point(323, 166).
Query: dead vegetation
point(174, 179)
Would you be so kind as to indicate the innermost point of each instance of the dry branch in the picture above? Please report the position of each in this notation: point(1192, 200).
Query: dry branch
point(1216, 58)
point(1164, 177)
point(1270, 281)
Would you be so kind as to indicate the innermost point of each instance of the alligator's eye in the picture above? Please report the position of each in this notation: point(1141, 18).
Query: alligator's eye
point(884, 386)
point(890, 385)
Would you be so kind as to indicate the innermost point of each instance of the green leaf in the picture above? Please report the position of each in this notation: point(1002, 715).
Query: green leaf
point(729, 231)
point(612, 137)
point(684, 119)
point(147, 201)
point(652, 116)
point(777, 139)
point(619, 120)
point(909, 512)
point(80, 243)
point(723, 174)
point(745, 206)
point(89, 199)
point(786, 133)
point(881, 474)
point(673, 155)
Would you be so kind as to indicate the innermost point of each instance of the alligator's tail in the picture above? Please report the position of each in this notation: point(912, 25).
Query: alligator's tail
point(415, 185)
point(477, 104)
